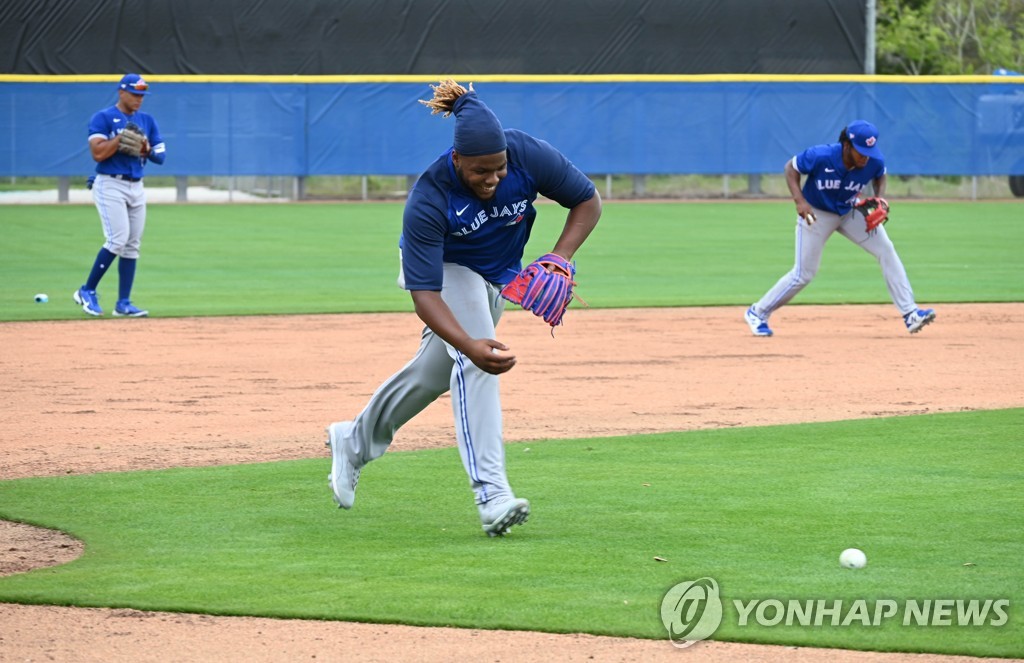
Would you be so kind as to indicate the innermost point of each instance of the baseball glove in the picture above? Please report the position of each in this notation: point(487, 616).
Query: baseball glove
point(875, 212)
point(544, 288)
point(133, 140)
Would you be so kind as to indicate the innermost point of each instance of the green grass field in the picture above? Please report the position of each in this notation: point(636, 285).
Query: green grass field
point(934, 501)
point(336, 258)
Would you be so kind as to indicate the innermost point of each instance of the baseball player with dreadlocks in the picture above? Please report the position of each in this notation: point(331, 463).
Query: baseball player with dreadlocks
point(829, 202)
point(122, 139)
point(465, 226)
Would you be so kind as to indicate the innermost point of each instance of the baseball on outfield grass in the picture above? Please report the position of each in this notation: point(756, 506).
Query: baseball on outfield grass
point(41, 298)
point(852, 558)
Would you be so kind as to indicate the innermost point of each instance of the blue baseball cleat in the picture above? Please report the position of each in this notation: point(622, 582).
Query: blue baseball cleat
point(88, 300)
point(125, 309)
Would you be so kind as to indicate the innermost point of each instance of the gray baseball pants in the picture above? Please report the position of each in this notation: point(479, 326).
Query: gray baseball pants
point(810, 242)
point(122, 208)
point(437, 368)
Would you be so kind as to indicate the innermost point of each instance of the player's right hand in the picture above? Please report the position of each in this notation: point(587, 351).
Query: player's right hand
point(489, 355)
point(806, 212)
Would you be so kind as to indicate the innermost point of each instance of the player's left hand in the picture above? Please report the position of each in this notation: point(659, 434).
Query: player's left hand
point(875, 211)
point(131, 140)
point(544, 288)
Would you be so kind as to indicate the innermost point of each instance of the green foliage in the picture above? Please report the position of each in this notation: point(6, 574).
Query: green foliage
point(934, 501)
point(932, 37)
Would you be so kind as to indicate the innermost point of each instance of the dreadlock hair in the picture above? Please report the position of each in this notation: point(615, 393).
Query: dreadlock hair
point(445, 94)
point(844, 135)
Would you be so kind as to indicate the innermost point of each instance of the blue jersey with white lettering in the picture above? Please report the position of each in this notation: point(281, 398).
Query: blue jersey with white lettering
point(109, 122)
point(829, 185)
point(445, 222)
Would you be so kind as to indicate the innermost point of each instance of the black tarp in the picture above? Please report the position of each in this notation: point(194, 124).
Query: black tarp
point(373, 37)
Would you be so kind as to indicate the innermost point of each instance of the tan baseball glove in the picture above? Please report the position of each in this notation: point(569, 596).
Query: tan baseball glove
point(133, 140)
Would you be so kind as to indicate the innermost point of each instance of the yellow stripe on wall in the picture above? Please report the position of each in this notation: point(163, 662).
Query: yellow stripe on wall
point(519, 78)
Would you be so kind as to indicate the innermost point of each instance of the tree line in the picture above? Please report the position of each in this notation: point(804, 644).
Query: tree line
point(949, 37)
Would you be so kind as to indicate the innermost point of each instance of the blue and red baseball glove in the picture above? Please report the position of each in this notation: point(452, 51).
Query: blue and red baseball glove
point(544, 288)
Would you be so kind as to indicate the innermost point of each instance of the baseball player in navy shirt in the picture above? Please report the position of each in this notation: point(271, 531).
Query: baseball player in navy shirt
point(118, 193)
point(466, 223)
point(836, 175)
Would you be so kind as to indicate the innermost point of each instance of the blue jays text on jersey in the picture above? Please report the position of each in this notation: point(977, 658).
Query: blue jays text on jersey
point(830, 186)
point(445, 222)
point(515, 210)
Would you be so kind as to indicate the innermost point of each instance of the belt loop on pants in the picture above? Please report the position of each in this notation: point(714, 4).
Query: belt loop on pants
point(126, 178)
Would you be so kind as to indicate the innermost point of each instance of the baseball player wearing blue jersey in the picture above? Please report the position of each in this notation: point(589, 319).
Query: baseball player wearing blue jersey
point(118, 193)
point(836, 175)
point(465, 226)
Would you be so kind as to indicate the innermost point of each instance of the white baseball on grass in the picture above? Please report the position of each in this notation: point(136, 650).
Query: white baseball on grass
point(853, 558)
point(41, 298)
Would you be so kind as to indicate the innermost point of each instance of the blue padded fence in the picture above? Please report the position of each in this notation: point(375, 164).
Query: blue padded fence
point(947, 126)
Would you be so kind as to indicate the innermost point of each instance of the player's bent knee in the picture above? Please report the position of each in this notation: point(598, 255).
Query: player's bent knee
point(805, 277)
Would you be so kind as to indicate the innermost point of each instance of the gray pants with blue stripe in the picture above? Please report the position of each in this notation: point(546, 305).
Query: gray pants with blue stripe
point(122, 208)
point(810, 242)
point(437, 368)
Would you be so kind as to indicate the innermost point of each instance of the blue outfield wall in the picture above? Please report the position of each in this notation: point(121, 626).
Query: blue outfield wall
point(697, 124)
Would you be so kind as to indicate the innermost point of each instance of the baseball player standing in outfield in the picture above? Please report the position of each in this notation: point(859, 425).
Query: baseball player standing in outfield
point(465, 227)
point(122, 138)
point(836, 174)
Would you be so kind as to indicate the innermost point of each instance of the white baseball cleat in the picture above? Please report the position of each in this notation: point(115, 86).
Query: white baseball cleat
point(758, 325)
point(916, 320)
point(498, 517)
point(344, 475)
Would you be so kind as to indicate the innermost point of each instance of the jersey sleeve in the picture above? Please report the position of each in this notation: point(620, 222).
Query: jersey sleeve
point(805, 161)
point(422, 242)
point(555, 176)
point(99, 125)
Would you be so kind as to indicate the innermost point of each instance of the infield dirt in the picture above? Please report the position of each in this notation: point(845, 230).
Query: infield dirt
point(123, 394)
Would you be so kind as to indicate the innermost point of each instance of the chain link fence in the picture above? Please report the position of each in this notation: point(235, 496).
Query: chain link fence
point(395, 188)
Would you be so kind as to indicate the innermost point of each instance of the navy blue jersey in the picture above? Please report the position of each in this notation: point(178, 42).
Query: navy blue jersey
point(829, 185)
point(109, 122)
point(445, 222)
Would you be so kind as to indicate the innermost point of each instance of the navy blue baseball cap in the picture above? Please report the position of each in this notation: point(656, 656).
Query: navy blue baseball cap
point(864, 137)
point(133, 83)
point(477, 129)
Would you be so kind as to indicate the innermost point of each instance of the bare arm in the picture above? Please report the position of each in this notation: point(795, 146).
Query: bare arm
point(581, 221)
point(879, 185)
point(104, 148)
point(435, 314)
point(793, 182)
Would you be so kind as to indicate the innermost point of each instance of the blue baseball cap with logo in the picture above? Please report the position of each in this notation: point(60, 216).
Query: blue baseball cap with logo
point(133, 83)
point(864, 137)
